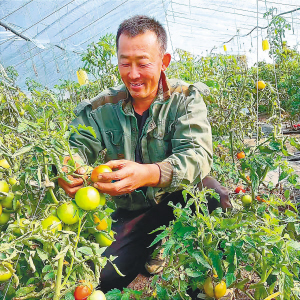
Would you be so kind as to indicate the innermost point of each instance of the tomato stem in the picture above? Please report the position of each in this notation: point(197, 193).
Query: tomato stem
point(72, 260)
point(58, 285)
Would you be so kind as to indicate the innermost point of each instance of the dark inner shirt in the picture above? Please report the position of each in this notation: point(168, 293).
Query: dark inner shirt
point(141, 119)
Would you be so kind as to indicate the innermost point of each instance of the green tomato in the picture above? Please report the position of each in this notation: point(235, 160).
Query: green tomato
point(88, 198)
point(4, 187)
point(12, 181)
point(52, 220)
point(102, 239)
point(21, 225)
point(246, 200)
point(7, 202)
point(97, 295)
point(4, 218)
point(68, 213)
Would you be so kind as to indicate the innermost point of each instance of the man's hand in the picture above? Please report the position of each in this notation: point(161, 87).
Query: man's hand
point(128, 177)
point(76, 183)
point(211, 183)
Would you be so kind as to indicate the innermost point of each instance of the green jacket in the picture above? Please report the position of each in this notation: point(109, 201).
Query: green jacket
point(176, 136)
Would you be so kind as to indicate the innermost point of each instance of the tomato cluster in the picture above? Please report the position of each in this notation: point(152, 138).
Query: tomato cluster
point(296, 126)
point(213, 289)
point(85, 292)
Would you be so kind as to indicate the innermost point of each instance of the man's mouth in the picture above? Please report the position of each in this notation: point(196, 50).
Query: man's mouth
point(136, 84)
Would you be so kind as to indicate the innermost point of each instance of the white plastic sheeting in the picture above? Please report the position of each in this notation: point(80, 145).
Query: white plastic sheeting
point(57, 31)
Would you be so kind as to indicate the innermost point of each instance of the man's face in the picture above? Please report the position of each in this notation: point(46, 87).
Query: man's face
point(140, 63)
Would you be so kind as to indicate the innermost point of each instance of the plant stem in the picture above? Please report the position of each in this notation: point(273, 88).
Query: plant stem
point(58, 285)
point(231, 146)
point(47, 181)
point(72, 261)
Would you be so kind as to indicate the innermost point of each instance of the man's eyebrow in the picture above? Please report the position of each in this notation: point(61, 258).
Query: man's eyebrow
point(138, 57)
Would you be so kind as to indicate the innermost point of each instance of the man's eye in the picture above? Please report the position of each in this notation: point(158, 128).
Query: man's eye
point(143, 65)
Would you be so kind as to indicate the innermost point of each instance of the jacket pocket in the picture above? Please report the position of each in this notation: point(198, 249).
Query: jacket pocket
point(114, 143)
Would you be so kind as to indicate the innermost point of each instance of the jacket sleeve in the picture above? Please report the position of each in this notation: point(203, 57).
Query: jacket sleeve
point(88, 141)
point(192, 153)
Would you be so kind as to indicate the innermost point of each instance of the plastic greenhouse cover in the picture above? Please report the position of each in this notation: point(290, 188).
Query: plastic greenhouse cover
point(56, 32)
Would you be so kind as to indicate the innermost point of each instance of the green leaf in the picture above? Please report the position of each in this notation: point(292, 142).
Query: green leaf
point(42, 254)
point(23, 150)
point(216, 257)
point(85, 250)
point(49, 276)
point(201, 260)
point(193, 273)
point(25, 290)
point(47, 268)
point(69, 296)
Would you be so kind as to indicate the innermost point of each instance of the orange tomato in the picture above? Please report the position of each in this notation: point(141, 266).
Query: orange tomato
point(241, 155)
point(98, 170)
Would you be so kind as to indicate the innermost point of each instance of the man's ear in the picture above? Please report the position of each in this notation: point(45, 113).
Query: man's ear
point(166, 61)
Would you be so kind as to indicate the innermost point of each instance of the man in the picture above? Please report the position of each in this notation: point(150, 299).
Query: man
point(157, 137)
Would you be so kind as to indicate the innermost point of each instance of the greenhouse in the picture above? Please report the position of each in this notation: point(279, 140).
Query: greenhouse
point(149, 149)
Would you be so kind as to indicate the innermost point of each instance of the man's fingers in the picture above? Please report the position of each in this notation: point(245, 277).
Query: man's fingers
point(113, 189)
point(116, 164)
point(116, 175)
point(70, 191)
point(74, 181)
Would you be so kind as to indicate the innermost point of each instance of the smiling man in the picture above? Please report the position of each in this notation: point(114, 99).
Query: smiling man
point(157, 137)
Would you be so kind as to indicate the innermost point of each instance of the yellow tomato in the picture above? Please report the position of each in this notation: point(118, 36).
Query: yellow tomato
point(260, 85)
point(220, 290)
point(4, 164)
point(4, 187)
point(102, 224)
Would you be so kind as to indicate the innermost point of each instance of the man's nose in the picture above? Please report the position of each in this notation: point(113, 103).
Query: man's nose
point(134, 73)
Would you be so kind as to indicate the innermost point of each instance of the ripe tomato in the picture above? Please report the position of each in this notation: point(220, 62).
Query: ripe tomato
point(4, 164)
point(260, 85)
point(82, 292)
point(7, 202)
point(98, 170)
point(214, 291)
point(239, 188)
point(102, 240)
point(88, 198)
point(52, 220)
point(5, 271)
point(68, 213)
point(241, 155)
point(258, 198)
point(220, 290)
point(97, 295)
point(4, 218)
point(4, 187)
point(246, 200)
point(102, 224)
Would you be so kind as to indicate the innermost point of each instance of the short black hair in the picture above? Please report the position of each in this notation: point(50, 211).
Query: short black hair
point(140, 24)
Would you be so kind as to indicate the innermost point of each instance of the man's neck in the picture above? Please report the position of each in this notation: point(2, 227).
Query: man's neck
point(141, 106)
